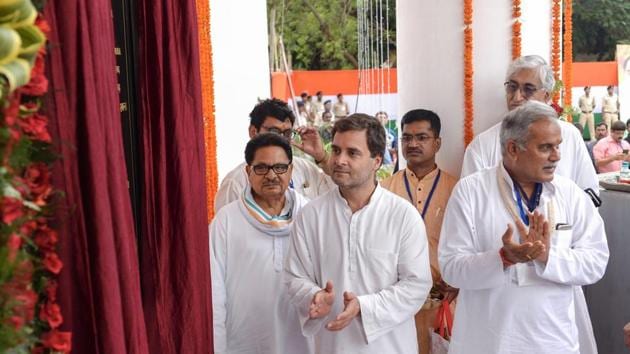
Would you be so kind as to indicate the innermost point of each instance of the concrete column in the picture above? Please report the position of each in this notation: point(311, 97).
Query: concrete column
point(241, 73)
point(430, 42)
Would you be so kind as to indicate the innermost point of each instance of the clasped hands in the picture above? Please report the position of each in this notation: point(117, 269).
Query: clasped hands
point(535, 242)
point(323, 301)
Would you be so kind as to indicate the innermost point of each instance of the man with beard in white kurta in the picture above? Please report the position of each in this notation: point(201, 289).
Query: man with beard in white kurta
point(358, 264)
point(529, 78)
point(516, 282)
point(249, 240)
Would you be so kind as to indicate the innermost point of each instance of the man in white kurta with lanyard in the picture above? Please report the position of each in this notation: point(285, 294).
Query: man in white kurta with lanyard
point(275, 116)
point(530, 78)
point(249, 240)
point(358, 264)
point(516, 239)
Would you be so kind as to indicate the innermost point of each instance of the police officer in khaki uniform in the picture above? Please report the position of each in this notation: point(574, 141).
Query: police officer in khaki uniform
point(610, 107)
point(587, 106)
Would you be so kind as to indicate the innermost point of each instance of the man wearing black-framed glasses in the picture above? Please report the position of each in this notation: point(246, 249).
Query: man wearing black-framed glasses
point(275, 116)
point(256, 228)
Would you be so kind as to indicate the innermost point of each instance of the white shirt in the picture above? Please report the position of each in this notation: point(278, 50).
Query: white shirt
point(307, 179)
point(485, 152)
point(380, 253)
point(526, 308)
point(251, 309)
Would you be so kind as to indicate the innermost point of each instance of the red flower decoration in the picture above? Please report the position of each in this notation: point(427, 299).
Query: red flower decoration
point(58, 341)
point(36, 126)
point(13, 245)
point(557, 108)
point(43, 25)
point(11, 112)
point(46, 238)
point(28, 227)
point(26, 300)
point(52, 263)
point(38, 85)
point(11, 209)
point(16, 321)
point(51, 314)
point(37, 178)
point(51, 290)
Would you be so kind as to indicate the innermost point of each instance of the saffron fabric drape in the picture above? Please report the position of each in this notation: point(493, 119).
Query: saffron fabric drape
point(174, 251)
point(99, 286)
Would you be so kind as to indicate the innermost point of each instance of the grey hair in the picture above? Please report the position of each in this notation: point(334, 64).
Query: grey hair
point(515, 125)
point(545, 73)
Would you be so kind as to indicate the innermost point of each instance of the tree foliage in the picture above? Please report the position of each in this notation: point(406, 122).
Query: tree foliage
point(319, 34)
point(598, 25)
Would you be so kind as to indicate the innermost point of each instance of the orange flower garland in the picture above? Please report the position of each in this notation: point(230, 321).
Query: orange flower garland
point(516, 29)
point(468, 73)
point(567, 71)
point(207, 96)
point(555, 45)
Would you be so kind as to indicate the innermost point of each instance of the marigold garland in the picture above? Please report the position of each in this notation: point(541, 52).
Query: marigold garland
point(555, 44)
point(468, 73)
point(207, 95)
point(567, 71)
point(516, 29)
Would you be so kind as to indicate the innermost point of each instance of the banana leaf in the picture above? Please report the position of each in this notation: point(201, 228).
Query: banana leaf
point(10, 43)
point(32, 39)
point(10, 10)
point(26, 15)
point(17, 72)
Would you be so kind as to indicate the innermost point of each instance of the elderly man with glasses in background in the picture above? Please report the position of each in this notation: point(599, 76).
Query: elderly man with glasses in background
point(275, 116)
point(530, 78)
point(249, 241)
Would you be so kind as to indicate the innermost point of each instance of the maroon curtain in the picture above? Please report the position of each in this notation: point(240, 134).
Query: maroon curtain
point(99, 287)
point(174, 253)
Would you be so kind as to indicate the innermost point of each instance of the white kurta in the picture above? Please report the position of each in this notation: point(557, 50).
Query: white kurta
point(307, 179)
point(575, 163)
point(251, 309)
point(380, 253)
point(485, 152)
point(526, 308)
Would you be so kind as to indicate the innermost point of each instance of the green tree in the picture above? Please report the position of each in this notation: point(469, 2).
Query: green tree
point(318, 34)
point(598, 25)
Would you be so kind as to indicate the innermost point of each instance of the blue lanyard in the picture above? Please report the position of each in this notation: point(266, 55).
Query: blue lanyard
point(532, 203)
point(428, 201)
point(291, 184)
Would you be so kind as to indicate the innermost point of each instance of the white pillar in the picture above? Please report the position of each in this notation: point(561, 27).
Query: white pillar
point(241, 73)
point(430, 42)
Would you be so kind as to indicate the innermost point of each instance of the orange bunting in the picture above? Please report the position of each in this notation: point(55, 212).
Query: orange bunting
point(555, 45)
point(468, 73)
point(516, 29)
point(207, 96)
point(567, 71)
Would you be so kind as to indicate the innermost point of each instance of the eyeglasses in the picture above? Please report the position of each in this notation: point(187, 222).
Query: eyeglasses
point(286, 133)
point(527, 90)
point(421, 138)
point(279, 168)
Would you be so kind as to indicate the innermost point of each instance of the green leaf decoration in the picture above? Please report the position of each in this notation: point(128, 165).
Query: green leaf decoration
point(10, 43)
point(32, 39)
point(11, 10)
point(25, 16)
point(17, 73)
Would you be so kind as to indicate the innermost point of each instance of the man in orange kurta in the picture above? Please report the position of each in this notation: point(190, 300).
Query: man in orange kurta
point(428, 188)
